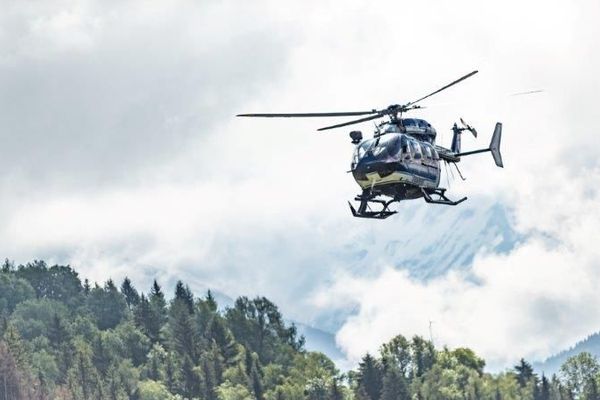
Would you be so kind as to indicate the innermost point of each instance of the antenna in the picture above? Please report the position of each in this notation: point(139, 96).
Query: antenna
point(377, 128)
point(431, 331)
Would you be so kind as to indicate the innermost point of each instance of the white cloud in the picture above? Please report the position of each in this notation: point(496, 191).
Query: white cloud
point(541, 297)
point(121, 154)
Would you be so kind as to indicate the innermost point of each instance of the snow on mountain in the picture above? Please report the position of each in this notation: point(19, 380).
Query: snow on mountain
point(431, 240)
point(426, 240)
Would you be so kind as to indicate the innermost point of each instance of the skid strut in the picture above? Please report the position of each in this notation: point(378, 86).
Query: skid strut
point(365, 211)
point(440, 193)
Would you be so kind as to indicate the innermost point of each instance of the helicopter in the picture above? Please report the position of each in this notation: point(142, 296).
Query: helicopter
point(402, 160)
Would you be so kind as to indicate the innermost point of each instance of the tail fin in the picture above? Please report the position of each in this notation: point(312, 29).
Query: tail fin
point(455, 146)
point(495, 145)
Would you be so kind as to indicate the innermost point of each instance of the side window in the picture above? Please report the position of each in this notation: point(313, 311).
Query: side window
point(405, 148)
point(426, 151)
point(416, 150)
point(409, 122)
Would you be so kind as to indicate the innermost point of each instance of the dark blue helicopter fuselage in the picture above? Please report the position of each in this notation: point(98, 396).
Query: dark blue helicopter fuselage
point(396, 164)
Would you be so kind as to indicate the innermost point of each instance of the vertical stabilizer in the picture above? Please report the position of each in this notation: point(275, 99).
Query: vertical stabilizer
point(495, 145)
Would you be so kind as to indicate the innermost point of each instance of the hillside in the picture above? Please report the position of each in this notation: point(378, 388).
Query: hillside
point(61, 338)
point(552, 364)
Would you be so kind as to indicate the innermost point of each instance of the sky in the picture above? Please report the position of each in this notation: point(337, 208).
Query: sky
point(121, 155)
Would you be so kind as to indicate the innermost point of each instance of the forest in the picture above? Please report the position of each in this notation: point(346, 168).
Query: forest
point(64, 338)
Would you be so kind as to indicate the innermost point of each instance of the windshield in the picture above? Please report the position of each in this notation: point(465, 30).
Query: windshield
point(361, 150)
point(364, 147)
point(387, 146)
point(380, 148)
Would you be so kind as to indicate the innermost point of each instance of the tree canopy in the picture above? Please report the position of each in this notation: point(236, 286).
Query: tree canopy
point(61, 338)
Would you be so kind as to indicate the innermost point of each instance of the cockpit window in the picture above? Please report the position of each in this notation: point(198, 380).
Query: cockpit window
point(423, 124)
point(409, 122)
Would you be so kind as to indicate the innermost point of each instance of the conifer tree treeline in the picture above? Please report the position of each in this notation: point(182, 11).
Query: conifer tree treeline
point(61, 338)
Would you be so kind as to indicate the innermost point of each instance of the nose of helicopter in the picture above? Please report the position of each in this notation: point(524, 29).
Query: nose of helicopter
point(364, 167)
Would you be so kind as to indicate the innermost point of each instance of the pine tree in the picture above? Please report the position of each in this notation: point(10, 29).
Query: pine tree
point(158, 311)
point(57, 332)
point(184, 294)
point(132, 297)
point(183, 334)
point(211, 302)
point(335, 392)
point(107, 305)
point(544, 388)
point(8, 266)
point(83, 376)
point(100, 356)
point(524, 372)
point(86, 287)
point(395, 386)
point(370, 377)
point(218, 332)
point(211, 370)
point(190, 382)
point(143, 318)
point(170, 373)
point(256, 380)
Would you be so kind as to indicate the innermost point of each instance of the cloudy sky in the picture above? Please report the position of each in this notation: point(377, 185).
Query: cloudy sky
point(121, 155)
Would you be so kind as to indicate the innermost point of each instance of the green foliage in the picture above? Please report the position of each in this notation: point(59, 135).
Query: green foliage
point(152, 390)
point(369, 378)
point(13, 290)
point(258, 325)
point(395, 385)
point(58, 282)
point(580, 375)
point(63, 339)
point(107, 305)
point(35, 317)
point(229, 391)
point(524, 372)
point(132, 297)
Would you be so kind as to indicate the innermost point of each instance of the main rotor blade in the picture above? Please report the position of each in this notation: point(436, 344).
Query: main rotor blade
point(444, 88)
point(528, 92)
point(325, 114)
point(356, 121)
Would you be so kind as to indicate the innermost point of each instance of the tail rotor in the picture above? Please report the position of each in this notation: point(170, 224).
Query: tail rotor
point(468, 127)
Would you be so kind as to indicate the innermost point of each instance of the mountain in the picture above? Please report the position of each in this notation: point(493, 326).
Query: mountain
point(425, 240)
point(429, 241)
point(552, 364)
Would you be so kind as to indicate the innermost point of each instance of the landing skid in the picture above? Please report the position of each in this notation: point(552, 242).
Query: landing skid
point(365, 211)
point(367, 199)
point(441, 197)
